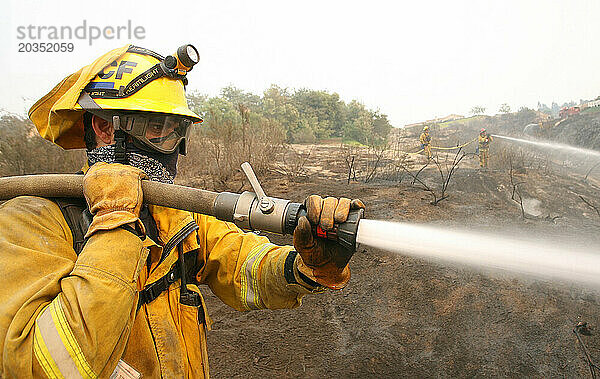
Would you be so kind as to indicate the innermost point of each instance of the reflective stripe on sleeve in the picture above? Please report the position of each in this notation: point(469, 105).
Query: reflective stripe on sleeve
point(55, 346)
point(250, 294)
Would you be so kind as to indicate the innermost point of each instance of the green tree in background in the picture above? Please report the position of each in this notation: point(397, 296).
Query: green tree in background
point(504, 108)
point(237, 96)
point(477, 110)
point(324, 110)
point(277, 106)
point(381, 128)
point(303, 115)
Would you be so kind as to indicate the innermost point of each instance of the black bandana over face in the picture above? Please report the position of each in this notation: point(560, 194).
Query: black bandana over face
point(158, 166)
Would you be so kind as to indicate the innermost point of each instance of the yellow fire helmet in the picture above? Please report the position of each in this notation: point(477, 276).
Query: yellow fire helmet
point(140, 91)
point(425, 128)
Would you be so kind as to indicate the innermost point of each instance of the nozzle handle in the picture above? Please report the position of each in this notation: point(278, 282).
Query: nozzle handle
point(266, 205)
point(344, 233)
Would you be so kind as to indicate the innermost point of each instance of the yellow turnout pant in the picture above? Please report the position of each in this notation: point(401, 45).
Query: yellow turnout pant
point(427, 150)
point(483, 157)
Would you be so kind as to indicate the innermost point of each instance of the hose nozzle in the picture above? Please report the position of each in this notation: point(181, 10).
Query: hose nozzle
point(257, 211)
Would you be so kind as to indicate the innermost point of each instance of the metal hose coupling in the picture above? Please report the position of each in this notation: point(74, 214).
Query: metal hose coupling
point(256, 211)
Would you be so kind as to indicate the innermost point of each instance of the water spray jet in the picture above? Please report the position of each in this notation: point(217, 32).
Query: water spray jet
point(486, 251)
point(553, 145)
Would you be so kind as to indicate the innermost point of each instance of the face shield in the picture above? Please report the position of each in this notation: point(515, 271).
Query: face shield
point(159, 132)
point(163, 133)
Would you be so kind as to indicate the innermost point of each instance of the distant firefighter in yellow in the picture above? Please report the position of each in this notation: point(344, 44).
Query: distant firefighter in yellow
point(426, 142)
point(484, 147)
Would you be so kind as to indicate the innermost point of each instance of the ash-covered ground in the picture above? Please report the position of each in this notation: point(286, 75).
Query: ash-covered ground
point(408, 317)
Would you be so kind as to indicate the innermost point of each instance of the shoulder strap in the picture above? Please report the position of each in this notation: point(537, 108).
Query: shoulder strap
point(154, 290)
point(78, 219)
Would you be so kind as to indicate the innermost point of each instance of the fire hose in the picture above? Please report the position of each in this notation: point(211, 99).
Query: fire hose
point(248, 210)
point(454, 147)
point(442, 148)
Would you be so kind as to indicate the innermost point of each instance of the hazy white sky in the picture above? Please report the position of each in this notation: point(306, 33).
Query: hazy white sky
point(413, 60)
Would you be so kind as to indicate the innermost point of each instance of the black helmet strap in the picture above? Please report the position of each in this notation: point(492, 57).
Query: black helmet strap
point(157, 71)
point(120, 142)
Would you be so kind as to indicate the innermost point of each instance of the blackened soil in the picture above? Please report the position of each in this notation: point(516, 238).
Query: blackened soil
point(407, 317)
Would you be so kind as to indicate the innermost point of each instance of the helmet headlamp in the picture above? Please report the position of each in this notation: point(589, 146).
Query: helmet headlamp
point(178, 64)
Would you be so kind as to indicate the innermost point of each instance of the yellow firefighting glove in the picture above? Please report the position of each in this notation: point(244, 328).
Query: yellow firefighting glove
point(322, 260)
point(114, 195)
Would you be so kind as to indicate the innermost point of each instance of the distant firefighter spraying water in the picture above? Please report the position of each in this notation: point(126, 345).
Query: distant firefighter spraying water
point(425, 139)
point(484, 147)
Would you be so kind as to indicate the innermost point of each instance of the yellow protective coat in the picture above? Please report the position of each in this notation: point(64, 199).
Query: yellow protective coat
point(75, 316)
point(425, 140)
point(484, 141)
point(484, 149)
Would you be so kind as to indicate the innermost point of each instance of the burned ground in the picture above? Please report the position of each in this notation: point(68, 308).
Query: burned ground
point(407, 317)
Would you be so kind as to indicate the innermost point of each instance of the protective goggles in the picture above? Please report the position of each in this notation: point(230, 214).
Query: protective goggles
point(160, 132)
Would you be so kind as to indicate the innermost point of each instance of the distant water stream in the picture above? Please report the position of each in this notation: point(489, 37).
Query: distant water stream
point(554, 146)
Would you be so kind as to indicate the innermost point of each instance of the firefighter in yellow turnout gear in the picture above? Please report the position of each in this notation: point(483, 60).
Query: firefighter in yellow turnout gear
point(484, 147)
point(425, 140)
point(121, 297)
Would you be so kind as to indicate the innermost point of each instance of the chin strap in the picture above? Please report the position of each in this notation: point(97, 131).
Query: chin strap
point(120, 148)
point(86, 102)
